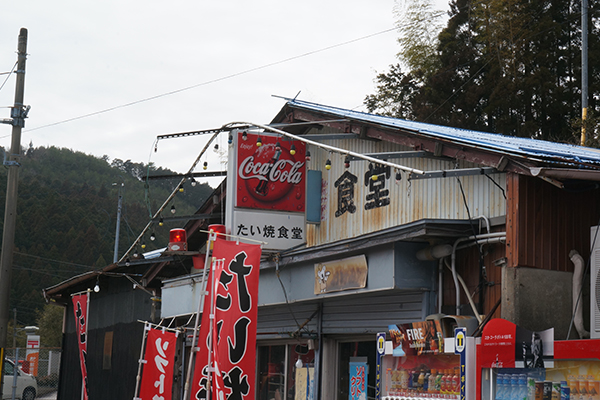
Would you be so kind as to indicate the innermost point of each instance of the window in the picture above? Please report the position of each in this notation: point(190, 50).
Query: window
point(280, 375)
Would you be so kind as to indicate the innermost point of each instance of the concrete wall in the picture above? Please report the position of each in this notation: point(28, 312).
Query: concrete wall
point(537, 299)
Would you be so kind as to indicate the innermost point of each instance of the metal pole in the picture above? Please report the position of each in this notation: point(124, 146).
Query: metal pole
point(212, 236)
point(18, 114)
point(584, 69)
point(16, 358)
point(15, 367)
point(118, 230)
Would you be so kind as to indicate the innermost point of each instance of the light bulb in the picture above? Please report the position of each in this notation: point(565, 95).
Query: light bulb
point(152, 236)
point(328, 165)
point(293, 150)
point(173, 209)
point(299, 363)
point(244, 135)
point(205, 165)
point(161, 222)
point(181, 188)
point(307, 157)
point(258, 142)
point(97, 288)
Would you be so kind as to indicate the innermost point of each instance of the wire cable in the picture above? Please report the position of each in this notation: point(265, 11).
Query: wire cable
point(223, 78)
point(9, 74)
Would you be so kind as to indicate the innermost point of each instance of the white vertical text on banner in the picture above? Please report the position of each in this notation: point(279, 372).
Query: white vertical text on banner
point(157, 375)
point(232, 342)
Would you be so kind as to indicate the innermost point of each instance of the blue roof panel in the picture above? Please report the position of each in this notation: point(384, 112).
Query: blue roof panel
point(530, 148)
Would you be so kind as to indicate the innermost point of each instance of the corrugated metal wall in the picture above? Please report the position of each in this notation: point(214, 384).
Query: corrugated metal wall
point(116, 308)
point(373, 313)
point(544, 223)
point(410, 200)
point(346, 314)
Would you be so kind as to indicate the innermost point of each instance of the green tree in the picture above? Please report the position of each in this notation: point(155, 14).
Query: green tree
point(49, 320)
point(506, 66)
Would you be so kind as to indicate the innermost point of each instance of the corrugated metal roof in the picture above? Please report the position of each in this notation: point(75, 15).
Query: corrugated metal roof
point(525, 147)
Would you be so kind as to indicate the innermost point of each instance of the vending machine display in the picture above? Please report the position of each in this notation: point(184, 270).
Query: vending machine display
point(516, 364)
point(419, 363)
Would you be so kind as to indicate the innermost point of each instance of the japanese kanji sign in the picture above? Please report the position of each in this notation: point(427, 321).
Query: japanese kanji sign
point(231, 344)
point(278, 230)
point(157, 375)
point(80, 309)
point(358, 381)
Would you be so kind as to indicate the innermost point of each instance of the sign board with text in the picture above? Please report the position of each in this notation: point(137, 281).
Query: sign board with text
point(266, 187)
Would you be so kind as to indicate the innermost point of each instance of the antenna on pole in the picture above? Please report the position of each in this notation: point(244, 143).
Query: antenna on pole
point(584, 69)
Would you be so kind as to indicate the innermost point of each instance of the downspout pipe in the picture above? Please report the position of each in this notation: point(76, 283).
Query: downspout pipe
point(577, 261)
point(479, 239)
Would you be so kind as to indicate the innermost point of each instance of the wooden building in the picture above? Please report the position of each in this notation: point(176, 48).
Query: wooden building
point(448, 221)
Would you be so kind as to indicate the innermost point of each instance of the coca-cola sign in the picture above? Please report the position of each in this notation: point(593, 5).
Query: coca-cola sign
point(269, 176)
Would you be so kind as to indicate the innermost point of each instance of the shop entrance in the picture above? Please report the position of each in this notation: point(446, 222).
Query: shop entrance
point(355, 351)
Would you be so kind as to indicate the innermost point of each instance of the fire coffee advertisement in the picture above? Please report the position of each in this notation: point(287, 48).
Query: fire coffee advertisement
point(417, 338)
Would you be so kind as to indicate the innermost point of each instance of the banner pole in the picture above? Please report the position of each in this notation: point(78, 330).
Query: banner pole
point(87, 324)
point(212, 236)
point(140, 362)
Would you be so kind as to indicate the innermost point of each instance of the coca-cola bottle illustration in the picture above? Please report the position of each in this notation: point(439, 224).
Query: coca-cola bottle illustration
point(262, 188)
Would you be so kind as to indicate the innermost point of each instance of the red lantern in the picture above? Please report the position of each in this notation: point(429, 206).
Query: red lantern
point(177, 240)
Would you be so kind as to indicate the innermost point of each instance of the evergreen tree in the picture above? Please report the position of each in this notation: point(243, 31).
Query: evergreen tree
point(505, 66)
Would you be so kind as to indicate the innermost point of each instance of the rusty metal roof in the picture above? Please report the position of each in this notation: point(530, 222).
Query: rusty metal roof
point(539, 150)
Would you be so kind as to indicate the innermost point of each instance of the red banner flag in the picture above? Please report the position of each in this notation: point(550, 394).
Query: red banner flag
point(231, 346)
point(80, 309)
point(157, 375)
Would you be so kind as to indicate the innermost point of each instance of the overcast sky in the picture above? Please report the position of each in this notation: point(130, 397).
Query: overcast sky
point(221, 61)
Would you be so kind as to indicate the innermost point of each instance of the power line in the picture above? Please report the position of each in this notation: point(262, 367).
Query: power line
point(56, 261)
point(8, 75)
point(245, 72)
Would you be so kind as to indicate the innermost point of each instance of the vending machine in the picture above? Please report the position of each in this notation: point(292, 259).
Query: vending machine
point(419, 362)
point(516, 364)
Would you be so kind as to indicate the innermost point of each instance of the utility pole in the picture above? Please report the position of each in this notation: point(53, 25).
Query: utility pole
point(18, 115)
point(118, 229)
point(584, 69)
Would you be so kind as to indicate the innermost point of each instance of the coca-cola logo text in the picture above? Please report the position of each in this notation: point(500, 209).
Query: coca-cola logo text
point(270, 176)
point(271, 172)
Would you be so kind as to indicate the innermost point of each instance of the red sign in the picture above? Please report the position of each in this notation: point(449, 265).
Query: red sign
point(231, 345)
point(498, 341)
point(80, 309)
point(269, 176)
point(157, 376)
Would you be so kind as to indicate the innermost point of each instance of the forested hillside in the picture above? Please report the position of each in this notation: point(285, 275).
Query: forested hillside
point(66, 217)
